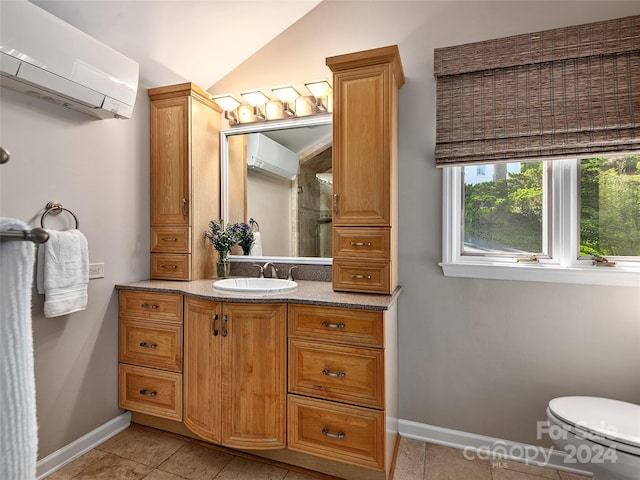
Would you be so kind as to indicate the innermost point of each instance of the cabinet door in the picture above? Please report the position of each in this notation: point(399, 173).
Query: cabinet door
point(254, 382)
point(170, 161)
point(202, 342)
point(361, 147)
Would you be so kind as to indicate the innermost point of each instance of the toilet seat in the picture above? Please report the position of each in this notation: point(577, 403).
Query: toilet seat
point(601, 420)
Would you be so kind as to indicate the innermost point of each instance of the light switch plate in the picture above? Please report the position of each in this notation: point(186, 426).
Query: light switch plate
point(96, 270)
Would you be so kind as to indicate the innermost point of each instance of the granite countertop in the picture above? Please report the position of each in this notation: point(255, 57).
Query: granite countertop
point(307, 292)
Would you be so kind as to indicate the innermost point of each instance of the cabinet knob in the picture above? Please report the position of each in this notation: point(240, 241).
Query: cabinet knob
point(169, 239)
point(148, 345)
point(360, 244)
point(361, 277)
point(185, 210)
point(147, 305)
point(169, 267)
point(148, 394)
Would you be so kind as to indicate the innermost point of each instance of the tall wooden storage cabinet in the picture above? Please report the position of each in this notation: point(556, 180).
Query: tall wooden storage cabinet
point(185, 181)
point(365, 169)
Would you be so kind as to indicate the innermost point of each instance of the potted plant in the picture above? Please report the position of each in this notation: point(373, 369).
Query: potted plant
point(222, 237)
point(245, 237)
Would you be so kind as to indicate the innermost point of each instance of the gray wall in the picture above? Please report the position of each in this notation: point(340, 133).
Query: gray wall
point(475, 355)
point(99, 169)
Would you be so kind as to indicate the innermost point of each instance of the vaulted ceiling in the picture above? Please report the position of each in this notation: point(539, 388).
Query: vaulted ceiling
point(177, 41)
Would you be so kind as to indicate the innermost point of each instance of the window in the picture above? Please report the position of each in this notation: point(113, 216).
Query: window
point(542, 101)
point(506, 214)
point(545, 221)
point(610, 206)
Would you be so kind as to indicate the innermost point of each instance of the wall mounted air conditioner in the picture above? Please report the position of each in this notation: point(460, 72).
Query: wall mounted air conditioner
point(42, 56)
point(265, 155)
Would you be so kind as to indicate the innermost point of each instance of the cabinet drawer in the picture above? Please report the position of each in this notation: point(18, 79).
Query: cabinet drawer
point(333, 372)
point(349, 434)
point(163, 307)
point(150, 391)
point(167, 266)
point(361, 276)
point(370, 243)
point(151, 344)
point(171, 239)
point(335, 324)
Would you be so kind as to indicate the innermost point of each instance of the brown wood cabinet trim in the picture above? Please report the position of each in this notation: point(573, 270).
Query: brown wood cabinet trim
point(342, 373)
point(181, 90)
point(146, 305)
point(383, 55)
point(150, 344)
point(366, 425)
point(336, 324)
point(163, 395)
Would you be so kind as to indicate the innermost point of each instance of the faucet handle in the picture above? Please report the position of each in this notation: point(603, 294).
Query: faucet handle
point(290, 276)
point(261, 270)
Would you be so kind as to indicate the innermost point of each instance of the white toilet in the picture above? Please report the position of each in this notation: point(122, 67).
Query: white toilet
point(602, 435)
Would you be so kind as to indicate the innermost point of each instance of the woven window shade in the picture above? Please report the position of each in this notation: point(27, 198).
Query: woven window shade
point(571, 91)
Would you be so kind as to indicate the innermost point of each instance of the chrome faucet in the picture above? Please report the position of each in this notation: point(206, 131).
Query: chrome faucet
point(261, 273)
point(274, 270)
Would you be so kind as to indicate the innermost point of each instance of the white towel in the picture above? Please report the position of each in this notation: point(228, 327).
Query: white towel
point(18, 426)
point(63, 272)
point(256, 248)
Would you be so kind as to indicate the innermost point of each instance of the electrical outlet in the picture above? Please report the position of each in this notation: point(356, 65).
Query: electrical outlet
point(96, 270)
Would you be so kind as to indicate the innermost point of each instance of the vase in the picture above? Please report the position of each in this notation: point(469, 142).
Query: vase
point(223, 269)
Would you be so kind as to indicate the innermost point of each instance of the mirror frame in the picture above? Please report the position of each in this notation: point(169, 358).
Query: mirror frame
point(322, 119)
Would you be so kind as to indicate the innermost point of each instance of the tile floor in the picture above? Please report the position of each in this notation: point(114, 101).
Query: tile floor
point(141, 453)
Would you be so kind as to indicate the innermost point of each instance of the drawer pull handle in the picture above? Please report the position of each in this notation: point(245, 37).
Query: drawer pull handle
point(146, 305)
point(333, 325)
point(148, 394)
point(148, 345)
point(214, 330)
point(337, 436)
point(335, 375)
point(360, 244)
point(365, 277)
point(169, 266)
point(170, 239)
point(224, 325)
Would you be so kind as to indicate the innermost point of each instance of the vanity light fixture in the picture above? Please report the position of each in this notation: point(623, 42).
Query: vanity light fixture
point(256, 99)
point(288, 95)
point(229, 105)
point(321, 89)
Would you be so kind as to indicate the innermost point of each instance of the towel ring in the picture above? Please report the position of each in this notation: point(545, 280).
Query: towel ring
point(54, 208)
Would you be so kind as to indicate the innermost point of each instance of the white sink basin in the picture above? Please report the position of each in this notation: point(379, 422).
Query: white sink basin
point(255, 285)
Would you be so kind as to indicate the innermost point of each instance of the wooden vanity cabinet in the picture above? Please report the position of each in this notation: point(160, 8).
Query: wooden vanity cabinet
point(365, 169)
point(150, 353)
point(342, 401)
point(185, 181)
point(235, 373)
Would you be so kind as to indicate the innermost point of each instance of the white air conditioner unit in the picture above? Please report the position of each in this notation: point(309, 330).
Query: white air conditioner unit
point(42, 56)
point(268, 156)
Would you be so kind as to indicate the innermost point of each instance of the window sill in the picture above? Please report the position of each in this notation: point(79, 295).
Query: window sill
point(587, 275)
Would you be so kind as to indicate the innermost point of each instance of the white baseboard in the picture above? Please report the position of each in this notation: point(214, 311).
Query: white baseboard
point(82, 445)
point(485, 447)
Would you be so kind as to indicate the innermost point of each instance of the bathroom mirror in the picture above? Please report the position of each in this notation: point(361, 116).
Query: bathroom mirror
point(278, 173)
